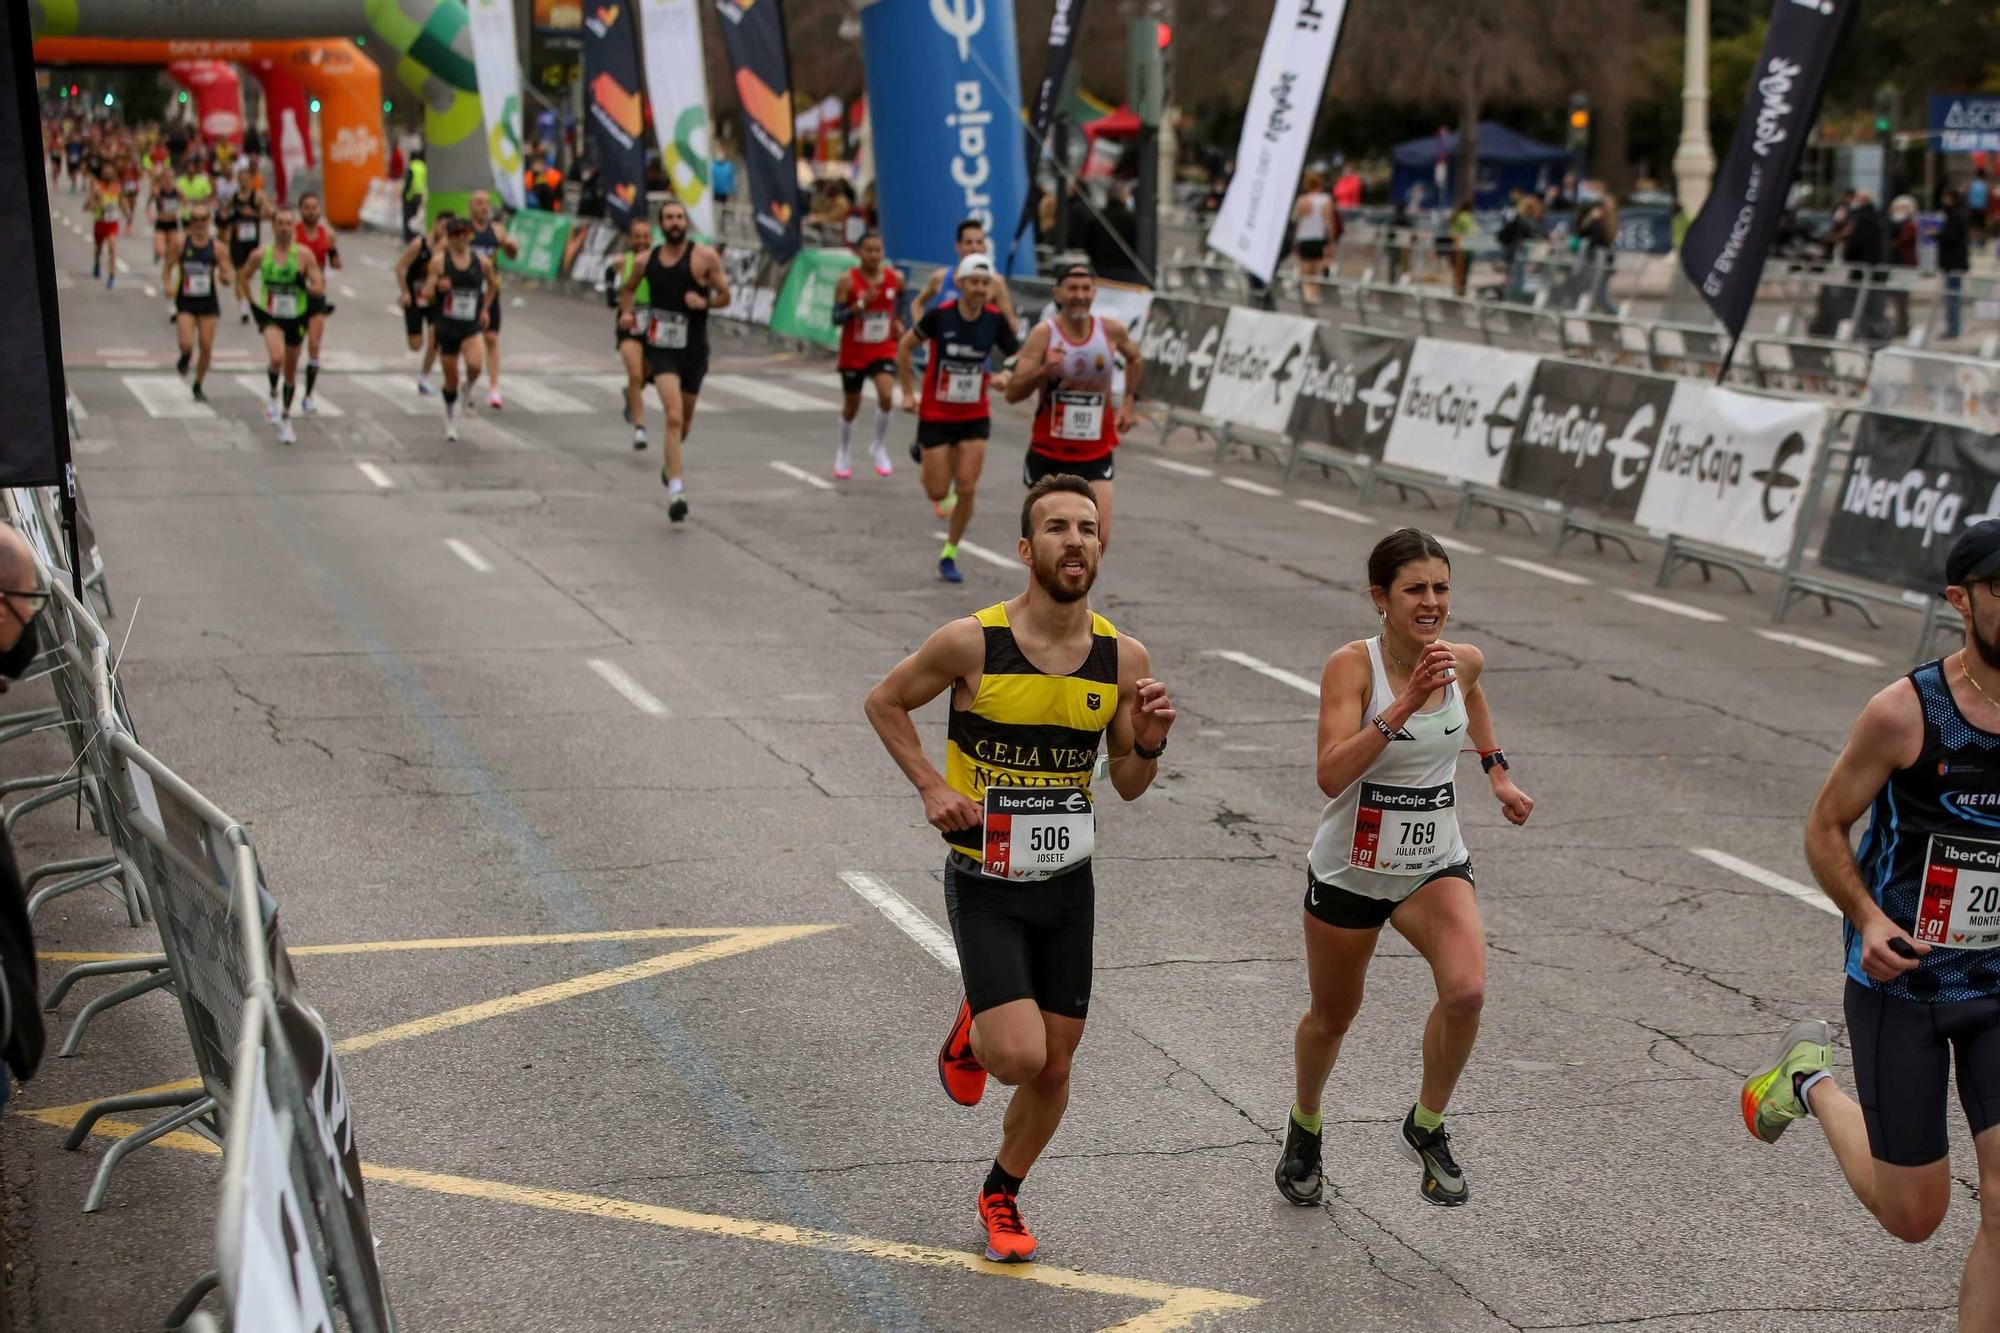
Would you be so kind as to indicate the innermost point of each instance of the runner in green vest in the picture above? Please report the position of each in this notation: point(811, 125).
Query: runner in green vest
point(287, 276)
point(632, 343)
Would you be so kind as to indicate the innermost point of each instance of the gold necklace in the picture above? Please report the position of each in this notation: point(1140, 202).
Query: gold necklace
point(1975, 682)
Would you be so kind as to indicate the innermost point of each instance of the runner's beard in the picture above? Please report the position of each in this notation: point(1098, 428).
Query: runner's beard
point(674, 237)
point(1059, 585)
point(1987, 648)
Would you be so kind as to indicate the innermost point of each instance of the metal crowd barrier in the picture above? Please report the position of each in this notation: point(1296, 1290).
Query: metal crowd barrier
point(175, 856)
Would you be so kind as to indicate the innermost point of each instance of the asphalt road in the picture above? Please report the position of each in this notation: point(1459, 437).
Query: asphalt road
point(483, 691)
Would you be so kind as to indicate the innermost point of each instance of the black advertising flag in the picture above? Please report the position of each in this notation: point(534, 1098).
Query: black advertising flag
point(34, 424)
point(617, 112)
point(1064, 21)
point(1725, 248)
point(754, 32)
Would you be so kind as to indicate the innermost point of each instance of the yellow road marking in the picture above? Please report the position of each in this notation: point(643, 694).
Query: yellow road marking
point(1173, 1308)
point(462, 942)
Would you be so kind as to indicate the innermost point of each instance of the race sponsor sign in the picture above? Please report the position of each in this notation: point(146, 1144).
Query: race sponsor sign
point(1258, 365)
point(754, 36)
point(1910, 488)
point(754, 282)
point(1732, 469)
point(1180, 343)
point(1958, 389)
point(543, 237)
point(1458, 410)
point(277, 1282)
point(677, 92)
point(804, 307)
point(1965, 122)
point(1348, 388)
point(499, 70)
point(1587, 436)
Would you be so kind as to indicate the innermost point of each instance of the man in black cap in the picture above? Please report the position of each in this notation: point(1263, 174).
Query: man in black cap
point(1922, 902)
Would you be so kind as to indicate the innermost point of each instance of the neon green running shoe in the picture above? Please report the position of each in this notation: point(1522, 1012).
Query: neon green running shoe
point(1770, 1099)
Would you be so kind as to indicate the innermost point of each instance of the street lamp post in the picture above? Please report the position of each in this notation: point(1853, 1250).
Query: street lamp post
point(1694, 160)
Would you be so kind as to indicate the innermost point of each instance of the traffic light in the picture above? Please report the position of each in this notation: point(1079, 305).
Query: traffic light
point(1166, 35)
point(182, 97)
point(315, 106)
point(62, 91)
point(1579, 121)
point(107, 99)
point(1885, 110)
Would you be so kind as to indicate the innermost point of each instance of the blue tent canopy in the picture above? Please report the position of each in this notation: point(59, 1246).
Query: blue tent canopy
point(1507, 161)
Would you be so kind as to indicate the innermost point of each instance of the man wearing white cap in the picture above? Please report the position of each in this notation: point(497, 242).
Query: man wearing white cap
point(954, 417)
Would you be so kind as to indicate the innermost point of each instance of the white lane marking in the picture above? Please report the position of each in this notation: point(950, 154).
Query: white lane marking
point(1263, 668)
point(635, 693)
point(800, 474)
point(1838, 654)
point(615, 384)
point(394, 309)
point(1546, 571)
point(374, 261)
point(1463, 548)
point(1185, 469)
point(261, 388)
point(153, 291)
point(765, 394)
point(77, 409)
point(347, 290)
point(401, 391)
point(124, 267)
point(1674, 608)
point(1254, 487)
point(122, 351)
point(1811, 897)
point(468, 555)
point(376, 475)
point(904, 916)
point(166, 396)
point(535, 395)
point(978, 552)
point(1332, 511)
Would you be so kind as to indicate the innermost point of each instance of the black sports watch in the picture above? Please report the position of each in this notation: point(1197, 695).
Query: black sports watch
point(1497, 759)
point(1144, 753)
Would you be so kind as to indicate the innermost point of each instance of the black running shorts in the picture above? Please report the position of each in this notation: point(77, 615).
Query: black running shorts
point(1039, 465)
point(240, 251)
point(414, 317)
point(690, 364)
point(937, 434)
point(1355, 911)
point(1023, 940)
point(853, 381)
point(1904, 1051)
point(452, 336)
point(293, 329)
point(493, 315)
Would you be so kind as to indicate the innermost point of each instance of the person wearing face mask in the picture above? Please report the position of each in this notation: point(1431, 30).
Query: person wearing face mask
point(684, 281)
point(21, 1033)
point(1396, 712)
point(1922, 906)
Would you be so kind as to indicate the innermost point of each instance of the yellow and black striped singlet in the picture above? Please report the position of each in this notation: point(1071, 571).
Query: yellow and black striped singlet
point(1027, 728)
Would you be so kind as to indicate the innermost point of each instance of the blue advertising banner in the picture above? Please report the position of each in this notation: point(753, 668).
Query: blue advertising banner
point(617, 125)
point(944, 96)
point(1965, 122)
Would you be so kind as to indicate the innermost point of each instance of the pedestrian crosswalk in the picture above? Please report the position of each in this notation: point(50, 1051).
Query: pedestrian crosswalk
point(165, 396)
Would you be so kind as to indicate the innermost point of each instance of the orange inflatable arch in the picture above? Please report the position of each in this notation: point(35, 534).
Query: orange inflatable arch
point(346, 82)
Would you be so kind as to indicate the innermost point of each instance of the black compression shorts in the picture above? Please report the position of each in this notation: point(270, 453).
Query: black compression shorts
point(493, 315)
point(293, 329)
point(937, 434)
point(1904, 1051)
point(689, 363)
point(1356, 911)
point(452, 336)
point(1040, 465)
point(197, 305)
point(852, 381)
point(414, 318)
point(1023, 940)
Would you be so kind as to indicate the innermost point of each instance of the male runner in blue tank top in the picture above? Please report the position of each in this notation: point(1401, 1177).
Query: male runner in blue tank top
point(1922, 902)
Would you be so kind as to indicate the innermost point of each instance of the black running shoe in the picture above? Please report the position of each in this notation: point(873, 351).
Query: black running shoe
point(916, 452)
point(1298, 1169)
point(677, 509)
point(1444, 1184)
point(181, 366)
point(199, 396)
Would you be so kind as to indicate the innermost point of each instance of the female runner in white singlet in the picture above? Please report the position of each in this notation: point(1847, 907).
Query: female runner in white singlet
point(1396, 712)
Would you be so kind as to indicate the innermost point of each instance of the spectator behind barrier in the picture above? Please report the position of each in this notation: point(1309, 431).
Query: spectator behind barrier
point(21, 1034)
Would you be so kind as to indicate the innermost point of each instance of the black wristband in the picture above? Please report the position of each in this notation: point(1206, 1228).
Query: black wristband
point(1495, 759)
point(1146, 754)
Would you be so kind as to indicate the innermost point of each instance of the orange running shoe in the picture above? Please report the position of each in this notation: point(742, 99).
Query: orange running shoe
point(1007, 1239)
point(964, 1078)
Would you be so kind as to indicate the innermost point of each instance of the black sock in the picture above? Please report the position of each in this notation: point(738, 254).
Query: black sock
point(272, 375)
point(450, 400)
point(187, 358)
point(290, 388)
point(312, 376)
point(999, 1182)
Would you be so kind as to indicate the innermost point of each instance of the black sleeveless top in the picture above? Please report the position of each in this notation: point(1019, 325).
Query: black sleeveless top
point(196, 260)
point(457, 282)
point(486, 243)
point(421, 265)
point(667, 288)
point(1934, 838)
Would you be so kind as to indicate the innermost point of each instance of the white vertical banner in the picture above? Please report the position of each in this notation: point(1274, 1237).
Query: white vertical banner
point(498, 63)
point(1277, 129)
point(677, 88)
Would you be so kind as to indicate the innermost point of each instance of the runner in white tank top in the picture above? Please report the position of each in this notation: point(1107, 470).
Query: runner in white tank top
point(1395, 713)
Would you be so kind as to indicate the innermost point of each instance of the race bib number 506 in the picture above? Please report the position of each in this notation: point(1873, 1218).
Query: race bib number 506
point(1037, 832)
point(1960, 904)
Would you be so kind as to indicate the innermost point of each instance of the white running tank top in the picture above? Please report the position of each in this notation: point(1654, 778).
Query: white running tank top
point(1398, 822)
point(1089, 364)
point(1312, 227)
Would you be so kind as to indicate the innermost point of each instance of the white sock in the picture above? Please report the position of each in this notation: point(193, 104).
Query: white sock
point(674, 486)
point(846, 434)
point(1805, 1087)
point(881, 428)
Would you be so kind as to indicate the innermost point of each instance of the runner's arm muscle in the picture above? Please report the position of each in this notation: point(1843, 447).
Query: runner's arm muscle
point(719, 294)
point(1032, 366)
point(953, 654)
point(309, 268)
point(1123, 343)
point(1515, 804)
point(1144, 715)
point(1887, 736)
point(1348, 741)
point(403, 262)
